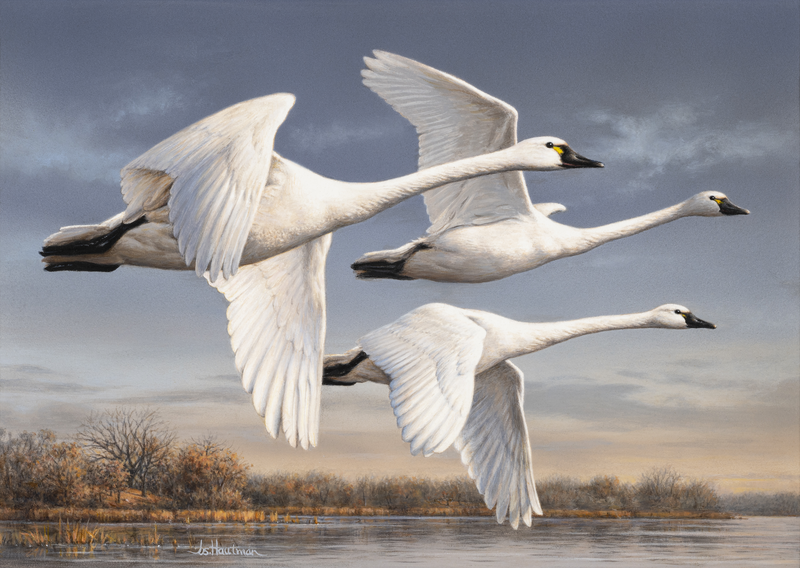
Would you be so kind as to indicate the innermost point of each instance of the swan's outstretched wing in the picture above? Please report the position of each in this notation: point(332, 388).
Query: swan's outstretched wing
point(212, 175)
point(454, 120)
point(431, 354)
point(495, 448)
point(277, 327)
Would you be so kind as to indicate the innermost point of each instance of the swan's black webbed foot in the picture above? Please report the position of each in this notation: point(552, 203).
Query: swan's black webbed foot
point(78, 266)
point(380, 269)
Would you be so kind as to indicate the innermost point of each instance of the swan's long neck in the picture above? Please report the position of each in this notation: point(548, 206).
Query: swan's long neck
point(363, 200)
point(521, 338)
point(596, 236)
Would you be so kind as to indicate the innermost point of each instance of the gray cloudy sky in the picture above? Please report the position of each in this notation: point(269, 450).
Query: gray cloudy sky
point(675, 97)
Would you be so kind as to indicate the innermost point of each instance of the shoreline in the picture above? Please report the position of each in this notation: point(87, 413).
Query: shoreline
point(285, 515)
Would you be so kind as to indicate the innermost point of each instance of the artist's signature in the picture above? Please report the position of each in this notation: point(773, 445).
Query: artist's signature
point(214, 549)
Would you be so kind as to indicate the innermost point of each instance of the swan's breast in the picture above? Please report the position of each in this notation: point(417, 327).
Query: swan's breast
point(290, 213)
point(502, 340)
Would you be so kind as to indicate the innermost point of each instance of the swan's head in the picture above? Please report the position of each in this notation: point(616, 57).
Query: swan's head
point(674, 316)
point(549, 153)
point(712, 204)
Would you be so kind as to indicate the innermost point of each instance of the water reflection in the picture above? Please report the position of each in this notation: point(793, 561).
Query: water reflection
point(443, 543)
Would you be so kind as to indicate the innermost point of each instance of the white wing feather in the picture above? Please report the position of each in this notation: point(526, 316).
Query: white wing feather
point(495, 448)
point(430, 354)
point(212, 175)
point(454, 120)
point(277, 327)
point(549, 209)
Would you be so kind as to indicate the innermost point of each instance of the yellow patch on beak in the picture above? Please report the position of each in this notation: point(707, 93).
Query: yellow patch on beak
point(559, 149)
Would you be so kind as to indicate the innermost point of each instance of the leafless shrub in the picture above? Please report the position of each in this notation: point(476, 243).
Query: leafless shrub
point(659, 489)
point(604, 492)
point(105, 477)
point(21, 465)
point(387, 493)
point(468, 493)
point(558, 492)
point(204, 474)
point(62, 474)
point(416, 492)
point(698, 495)
point(313, 489)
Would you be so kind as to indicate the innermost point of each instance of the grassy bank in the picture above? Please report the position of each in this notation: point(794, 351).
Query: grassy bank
point(294, 514)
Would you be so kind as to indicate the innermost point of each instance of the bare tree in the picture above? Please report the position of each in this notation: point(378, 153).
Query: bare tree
point(388, 491)
point(450, 491)
point(364, 489)
point(138, 439)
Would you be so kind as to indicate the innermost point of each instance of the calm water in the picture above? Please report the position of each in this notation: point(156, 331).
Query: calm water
point(445, 543)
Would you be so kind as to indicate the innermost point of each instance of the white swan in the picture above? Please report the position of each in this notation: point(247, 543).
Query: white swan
point(451, 382)
point(481, 253)
point(215, 198)
point(483, 228)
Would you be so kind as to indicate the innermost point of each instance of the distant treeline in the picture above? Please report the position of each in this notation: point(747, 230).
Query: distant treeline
point(123, 450)
point(765, 504)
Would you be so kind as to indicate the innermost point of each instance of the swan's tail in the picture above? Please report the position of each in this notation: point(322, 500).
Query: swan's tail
point(337, 367)
point(387, 263)
point(82, 247)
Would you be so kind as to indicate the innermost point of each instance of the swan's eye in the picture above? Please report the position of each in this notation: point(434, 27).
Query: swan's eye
point(712, 198)
point(678, 312)
point(549, 144)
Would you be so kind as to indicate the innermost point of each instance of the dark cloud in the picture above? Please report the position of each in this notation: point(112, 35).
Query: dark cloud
point(784, 394)
point(7, 371)
point(62, 418)
point(221, 379)
point(218, 390)
point(36, 379)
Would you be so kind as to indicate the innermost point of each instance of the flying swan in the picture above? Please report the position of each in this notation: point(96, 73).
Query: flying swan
point(215, 198)
point(484, 228)
point(450, 382)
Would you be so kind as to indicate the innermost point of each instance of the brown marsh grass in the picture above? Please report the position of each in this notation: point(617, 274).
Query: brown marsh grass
point(78, 534)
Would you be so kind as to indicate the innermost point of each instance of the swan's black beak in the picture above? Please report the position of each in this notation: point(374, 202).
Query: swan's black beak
point(728, 208)
point(571, 159)
point(692, 321)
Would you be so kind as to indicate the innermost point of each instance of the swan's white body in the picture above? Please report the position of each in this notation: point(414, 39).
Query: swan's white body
point(217, 199)
point(482, 253)
point(482, 228)
point(451, 382)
